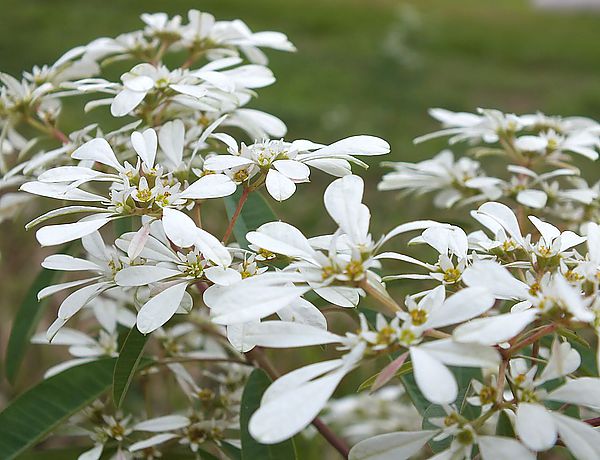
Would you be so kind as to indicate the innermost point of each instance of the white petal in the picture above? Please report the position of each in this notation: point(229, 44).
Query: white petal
point(461, 354)
point(497, 279)
point(535, 426)
point(212, 248)
point(152, 441)
point(297, 378)
point(391, 446)
point(495, 329)
point(97, 150)
point(165, 423)
point(583, 391)
point(284, 416)
point(279, 186)
point(68, 263)
point(136, 246)
point(62, 233)
point(210, 186)
point(142, 275)
point(77, 299)
point(222, 162)
point(282, 238)
point(179, 227)
point(145, 144)
point(357, 145)
point(505, 217)
point(222, 276)
point(160, 308)
point(293, 169)
point(435, 380)
point(500, 448)
point(171, 139)
point(464, 305)
point(304, 312)
point(126, 101)
point(580, 438)
point(535, 199)
point(284, 334)
point(343, 203)
point(93, 454)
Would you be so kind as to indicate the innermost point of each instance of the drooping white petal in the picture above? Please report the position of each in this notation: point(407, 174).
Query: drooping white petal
point(461, 354)
point(152, 441)
point(210, 186)
point(136, 246)
point(582, 440)
point(68, 263)
point(284, 416)
point(212, 248)
point(262, 297)
point(343, 203)
point(68, 174)
point(285, 334)
point(304, 312)
point(342, 296)
point(223, 162)
point(501, 448)
point(97, 150)
point(171, 139)
point(126, 101)
point(391, 446)
point(583, 391)
point(298, 377)
point(93, 454)
point(495, 329)
point(497, 279)
point(563, 361)
point(142, 275)
point(179, 228)
point(145, 144)
point(535, 199)
point(293, 169)
point(504, 216)
point(279, 186)
point(160, 308)
point(356, 145)
point(464, 305)
point(77, 299)
point(222, 276)
point(282, 238)
point(535, 426)
point(435, 380)
point(165, 423)
point(62, 233)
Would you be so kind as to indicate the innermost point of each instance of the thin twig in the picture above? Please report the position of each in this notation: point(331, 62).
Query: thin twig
point(236, 214)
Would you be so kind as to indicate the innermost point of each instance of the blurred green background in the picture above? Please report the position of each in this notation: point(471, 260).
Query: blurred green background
point(362, 66)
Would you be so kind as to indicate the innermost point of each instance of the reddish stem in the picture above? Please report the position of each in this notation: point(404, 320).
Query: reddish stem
point(236, 214)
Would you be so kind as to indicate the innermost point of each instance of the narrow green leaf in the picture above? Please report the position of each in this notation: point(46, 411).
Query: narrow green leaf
point(256, 211)
point(127, 363)
point(231, 451)
point(251, 449)
point(504, 426)
point(33, 414)
point(27, 318)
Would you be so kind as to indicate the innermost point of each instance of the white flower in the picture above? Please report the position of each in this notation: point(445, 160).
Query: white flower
point(285, 164)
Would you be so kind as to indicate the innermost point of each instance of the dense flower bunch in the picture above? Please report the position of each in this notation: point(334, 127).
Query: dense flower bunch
point(492, 348)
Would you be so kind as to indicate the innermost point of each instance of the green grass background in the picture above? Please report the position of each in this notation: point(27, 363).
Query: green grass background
point(342, 81)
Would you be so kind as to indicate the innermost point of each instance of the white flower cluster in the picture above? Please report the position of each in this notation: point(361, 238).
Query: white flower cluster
point(511, 302)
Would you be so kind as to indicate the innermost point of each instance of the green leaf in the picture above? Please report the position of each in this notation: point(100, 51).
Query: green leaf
point(232, 452)
point(27, 318)
point(504, 426)
point(404, 369)
point(33, 414)
point(127, 363)
point(251, 449)
point(420, 402)
point(256, 211)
